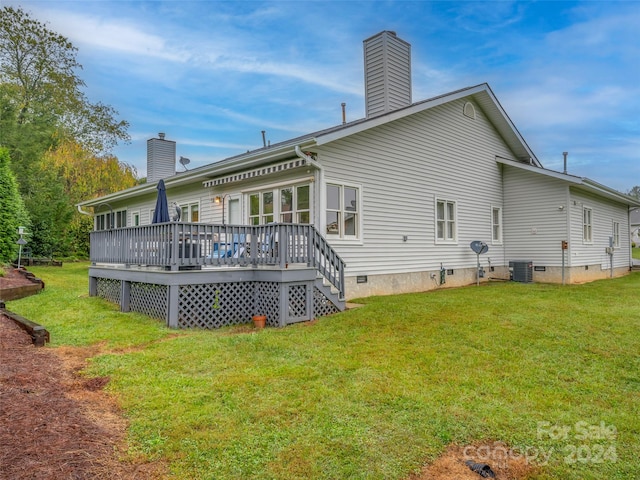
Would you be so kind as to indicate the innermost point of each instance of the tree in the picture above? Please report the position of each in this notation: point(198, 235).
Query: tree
point(42, 106)
point(634, 192)
point(41, 67)
point(12, 209)
point(85, 175)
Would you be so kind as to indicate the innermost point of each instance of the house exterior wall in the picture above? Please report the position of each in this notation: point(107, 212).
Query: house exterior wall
point(604, 213)
point(401, 168)
point(535, 223)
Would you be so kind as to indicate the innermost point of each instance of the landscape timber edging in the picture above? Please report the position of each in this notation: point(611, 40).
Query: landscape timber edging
point(39, 334)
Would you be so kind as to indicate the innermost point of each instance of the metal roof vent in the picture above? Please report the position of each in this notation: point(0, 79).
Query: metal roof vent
point(469, 110)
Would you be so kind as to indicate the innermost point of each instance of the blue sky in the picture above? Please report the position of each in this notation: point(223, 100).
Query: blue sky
point(213, 74)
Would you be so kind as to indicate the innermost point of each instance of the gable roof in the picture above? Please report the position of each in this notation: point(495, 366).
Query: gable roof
point(481, 94)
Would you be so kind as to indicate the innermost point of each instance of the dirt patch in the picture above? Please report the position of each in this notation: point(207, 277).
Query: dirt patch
point(505, 463)
point(55, 423)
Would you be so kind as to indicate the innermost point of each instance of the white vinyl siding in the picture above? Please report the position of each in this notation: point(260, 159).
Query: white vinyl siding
point(603, 213)
point(534, 217)
point(402, 167)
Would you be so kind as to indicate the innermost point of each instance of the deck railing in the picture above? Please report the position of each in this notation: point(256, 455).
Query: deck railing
point(177, 246)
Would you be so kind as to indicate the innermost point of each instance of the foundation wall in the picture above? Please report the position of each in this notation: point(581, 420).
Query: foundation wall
point(412, 282)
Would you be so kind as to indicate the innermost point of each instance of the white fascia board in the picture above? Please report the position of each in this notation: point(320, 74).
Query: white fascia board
point(610, 193)
point(323, 139)
point(540, 171)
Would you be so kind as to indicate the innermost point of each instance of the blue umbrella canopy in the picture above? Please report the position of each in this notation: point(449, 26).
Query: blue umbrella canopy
point(161, 213)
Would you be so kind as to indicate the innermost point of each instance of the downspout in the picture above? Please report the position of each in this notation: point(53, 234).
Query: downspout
point(306, 157)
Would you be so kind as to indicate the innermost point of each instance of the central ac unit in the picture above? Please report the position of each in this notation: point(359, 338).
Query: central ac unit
point(521, 271)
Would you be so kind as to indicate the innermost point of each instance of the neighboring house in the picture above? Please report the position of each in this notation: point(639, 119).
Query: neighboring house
point(634, 226)
point(398, 196)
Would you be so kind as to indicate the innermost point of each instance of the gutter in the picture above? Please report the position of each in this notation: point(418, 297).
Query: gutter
point(79, 207)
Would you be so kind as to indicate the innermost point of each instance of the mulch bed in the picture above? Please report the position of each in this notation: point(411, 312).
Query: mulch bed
point(55, 423)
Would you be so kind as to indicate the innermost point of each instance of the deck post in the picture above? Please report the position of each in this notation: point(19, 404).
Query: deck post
point(283, 306)
point(309, 298)
point(125, 296)
point(283, 243)
point(172, 308)
point(93, 286)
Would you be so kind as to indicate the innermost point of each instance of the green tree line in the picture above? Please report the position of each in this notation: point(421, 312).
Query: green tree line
point(54, 143)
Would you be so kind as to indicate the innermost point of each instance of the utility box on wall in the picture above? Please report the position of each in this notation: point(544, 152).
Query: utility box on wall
point(521, 271)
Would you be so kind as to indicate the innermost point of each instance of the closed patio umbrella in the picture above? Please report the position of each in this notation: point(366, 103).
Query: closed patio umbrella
point(161, 213)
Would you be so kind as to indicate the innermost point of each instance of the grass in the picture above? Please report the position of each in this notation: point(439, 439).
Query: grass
point(377, 391)
point(635, 253)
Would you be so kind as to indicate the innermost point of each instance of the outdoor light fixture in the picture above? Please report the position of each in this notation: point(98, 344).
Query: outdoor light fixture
point(21, 241)
point(220, 200)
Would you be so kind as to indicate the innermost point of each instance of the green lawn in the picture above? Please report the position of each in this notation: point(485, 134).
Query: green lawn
point(635, 253)
point(376, 391)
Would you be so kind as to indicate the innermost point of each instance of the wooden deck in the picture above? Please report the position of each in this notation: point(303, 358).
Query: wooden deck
point(204, 276)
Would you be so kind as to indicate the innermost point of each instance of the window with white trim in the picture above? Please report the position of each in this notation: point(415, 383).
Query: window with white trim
point(105, 221)
point(343, 211)
point(135, 219)
point(616, 234)
point(446, 228)
point(190, 212)
point(294, 204)
point(496, 224)
point(587, 226)
point(286, 204)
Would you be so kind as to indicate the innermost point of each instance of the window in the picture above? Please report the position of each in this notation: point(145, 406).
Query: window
point(288, 204)
point(121, 219)
point(616, 234)
point(587, 228)
point(496, 224)
point(445, 221)
point(190, 212)
point(135, 219)
point(294, 204)
point(342, 213)
point(108, 220)
point(261, 208)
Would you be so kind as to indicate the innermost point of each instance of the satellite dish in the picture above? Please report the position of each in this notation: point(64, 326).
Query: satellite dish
point(479, 247)
point(185, 161)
